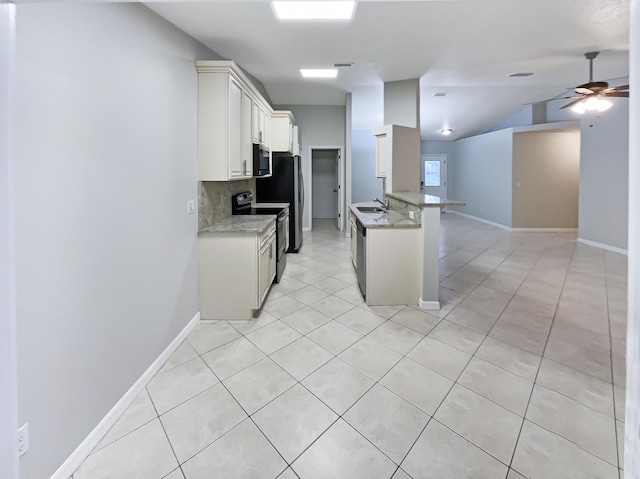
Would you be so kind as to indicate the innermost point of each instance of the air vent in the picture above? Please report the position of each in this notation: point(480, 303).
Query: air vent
point(441, 93)
point(342, 65)
point(520, 74)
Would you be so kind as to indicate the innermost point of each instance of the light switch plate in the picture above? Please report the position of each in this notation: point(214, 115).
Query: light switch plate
point(23, 439)
point(191, 207)
point(412, 215)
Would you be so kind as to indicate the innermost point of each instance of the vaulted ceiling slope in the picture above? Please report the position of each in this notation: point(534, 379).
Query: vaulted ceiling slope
point(464, 48)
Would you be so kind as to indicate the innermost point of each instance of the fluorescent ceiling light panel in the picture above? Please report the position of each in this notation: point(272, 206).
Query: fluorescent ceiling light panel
point(319, 72)
point(314, 10)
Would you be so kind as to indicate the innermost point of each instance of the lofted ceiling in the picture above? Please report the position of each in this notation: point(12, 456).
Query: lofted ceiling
point(464, 48)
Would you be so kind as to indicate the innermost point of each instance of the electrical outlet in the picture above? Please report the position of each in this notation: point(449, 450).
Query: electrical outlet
point(412, 215)
point(23, 439)
point(191, 207)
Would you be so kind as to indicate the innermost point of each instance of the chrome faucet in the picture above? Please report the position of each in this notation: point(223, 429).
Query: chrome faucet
point(384, 202)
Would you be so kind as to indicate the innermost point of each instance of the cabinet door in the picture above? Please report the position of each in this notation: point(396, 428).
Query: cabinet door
point(234, 158)
point(247, 144)
point(381, 156)
point(273, 253)
point(255, 122)
point(266, 140)
point(264, 271)
point(354, 244)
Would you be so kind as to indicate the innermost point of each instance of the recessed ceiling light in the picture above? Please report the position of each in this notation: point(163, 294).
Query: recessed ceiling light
point(520, 74)
point(314, 10)
point(319, 72)
point(446, 131)
point(441, 93)
point(342, 65)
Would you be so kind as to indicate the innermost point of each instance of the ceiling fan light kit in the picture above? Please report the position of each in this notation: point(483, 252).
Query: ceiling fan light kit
point(593, 93)
point(446, 131)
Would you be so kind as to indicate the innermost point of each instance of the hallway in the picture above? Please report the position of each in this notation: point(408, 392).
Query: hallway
point(520, 374)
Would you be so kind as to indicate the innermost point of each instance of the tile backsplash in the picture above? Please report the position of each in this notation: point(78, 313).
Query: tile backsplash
point(214, 199)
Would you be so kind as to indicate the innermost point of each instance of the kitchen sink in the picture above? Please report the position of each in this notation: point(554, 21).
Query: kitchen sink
point(370, 209)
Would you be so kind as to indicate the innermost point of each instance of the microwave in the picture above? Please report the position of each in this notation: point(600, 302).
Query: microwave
point(261, 160)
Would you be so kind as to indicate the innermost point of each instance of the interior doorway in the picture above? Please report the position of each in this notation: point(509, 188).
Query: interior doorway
point(433, 175)
point(327, 178)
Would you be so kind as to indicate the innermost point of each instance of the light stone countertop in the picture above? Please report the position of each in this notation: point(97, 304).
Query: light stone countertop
point(270, 205)
point(418, 199)
point(240, 224)
point(390, 219)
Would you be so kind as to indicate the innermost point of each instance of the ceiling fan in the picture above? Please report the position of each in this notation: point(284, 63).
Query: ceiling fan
point(594, 92)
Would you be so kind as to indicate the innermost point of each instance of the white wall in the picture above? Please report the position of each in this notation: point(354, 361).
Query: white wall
point(604, 170)
point(364, 184)
point(8, 360)
point(318, 126)
point(632, 413)
point(106, 254)
point(480, 175)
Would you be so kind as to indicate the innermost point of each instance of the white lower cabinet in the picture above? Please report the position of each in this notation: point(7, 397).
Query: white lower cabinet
point(354, 238)
point(394, 265)
point(236, 271)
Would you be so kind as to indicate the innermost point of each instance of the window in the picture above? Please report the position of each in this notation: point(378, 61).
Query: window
point(431, 173)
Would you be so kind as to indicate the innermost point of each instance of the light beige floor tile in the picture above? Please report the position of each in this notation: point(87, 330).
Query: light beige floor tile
point(396, 337)
point(273, 336)
point(288, 474)
point(471, 319)
point(305, 320)
point(334, 337)
point(311, 277)
point(211, 336)
point(301, 357)
point(593, 361)
point(511, 358)
point(370, 357)
point(182, 354)
point(420, 386)
point(195, 424)
point(526, 319)
point(338, 384)
point(440, 357)
point(591, 430)
point(520, 337)
point(400, 474)
point(140, 412)
point(440, 453)
point(580, 336)
point(489, 308)
point(342, 452)
point(309, 294)
point(351, 294)
point(543, 454)
point(620, 400)
point(262, 319)
point(289, 285)
point(331, 285)
point(282, 306)
point(388, 421)
point(492, 295)
point(227, 360)
point(242, 452)
point(175, 474)
point(502, 387)
point(587, 390)
point(332, 306)
point(175, 386)
point(258, 384)
point(541, 308)
point(514, 475)
point(293, 421)
point(415, 319)
point(386, 312)
point(487, 425)
point(457, 336)
point(347, 277)
point(360, 320)
point(144, 452)
point(620, 441)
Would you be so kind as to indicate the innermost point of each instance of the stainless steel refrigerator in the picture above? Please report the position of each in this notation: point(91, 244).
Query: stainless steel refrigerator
point(285, 185)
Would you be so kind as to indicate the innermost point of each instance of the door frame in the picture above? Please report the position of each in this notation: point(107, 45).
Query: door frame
point(423, 159)
point(309, 184)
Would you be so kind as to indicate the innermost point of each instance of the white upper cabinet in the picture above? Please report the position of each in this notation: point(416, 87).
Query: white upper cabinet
point(398, 157)
point(282, 131)
point(227, 123)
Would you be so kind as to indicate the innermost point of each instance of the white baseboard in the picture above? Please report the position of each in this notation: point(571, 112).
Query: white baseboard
point(482, 220)
point(603, 246)
point(91, 441)
point(517, 230)
point(544, 230)
point(429, 305)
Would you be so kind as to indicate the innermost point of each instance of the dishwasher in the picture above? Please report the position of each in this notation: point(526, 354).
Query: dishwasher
point(361, 257)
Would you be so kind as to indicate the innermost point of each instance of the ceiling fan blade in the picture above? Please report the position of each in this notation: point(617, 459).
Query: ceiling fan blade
point(551, 99)
point(619, 94)
point(571, 103)
point(583, 91)
point(617, 88)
